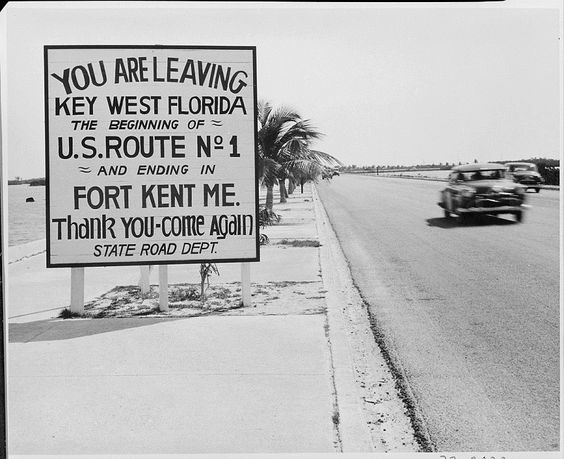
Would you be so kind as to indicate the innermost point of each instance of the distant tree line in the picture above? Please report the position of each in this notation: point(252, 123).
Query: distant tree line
point(551, 174)
point(398, 167)
point(38, 181)
point(548, 168)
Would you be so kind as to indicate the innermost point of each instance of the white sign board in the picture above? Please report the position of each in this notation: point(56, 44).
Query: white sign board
point(150, 155)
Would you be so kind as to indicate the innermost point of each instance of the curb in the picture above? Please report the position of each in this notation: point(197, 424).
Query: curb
point(346, 306)
point(352, 426)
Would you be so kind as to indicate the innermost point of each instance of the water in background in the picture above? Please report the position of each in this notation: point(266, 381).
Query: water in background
point(26, 220)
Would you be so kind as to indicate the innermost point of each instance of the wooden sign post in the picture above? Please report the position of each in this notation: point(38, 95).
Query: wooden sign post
point(77, 290)
point(246, 284)
point(144, 280)
point(163, 288)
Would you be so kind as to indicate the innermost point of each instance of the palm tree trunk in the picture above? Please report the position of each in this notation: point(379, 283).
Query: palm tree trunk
point(269, 197)
point(291, 186)
point(283, 193)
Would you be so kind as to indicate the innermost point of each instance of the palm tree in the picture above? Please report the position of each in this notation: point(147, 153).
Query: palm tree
point(275, 129)
point(284, 139)
point(309, 166)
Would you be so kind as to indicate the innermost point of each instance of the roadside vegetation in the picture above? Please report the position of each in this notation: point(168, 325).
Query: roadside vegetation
point(287, 161)
point(549, 169)
point(286, 156)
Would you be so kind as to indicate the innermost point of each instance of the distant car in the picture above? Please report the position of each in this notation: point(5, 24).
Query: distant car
point(526, 174)
point(482, 189)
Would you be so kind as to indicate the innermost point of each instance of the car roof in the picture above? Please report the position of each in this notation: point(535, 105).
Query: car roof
point(478, 167)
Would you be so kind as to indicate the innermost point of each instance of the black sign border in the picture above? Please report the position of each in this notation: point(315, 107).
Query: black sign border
point(49, 263)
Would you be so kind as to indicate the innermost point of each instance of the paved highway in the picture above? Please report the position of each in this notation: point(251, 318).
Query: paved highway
point(469, 313)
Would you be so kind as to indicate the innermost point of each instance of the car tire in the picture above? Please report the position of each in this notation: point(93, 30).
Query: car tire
point(537, 189)
point(518, 216)
point(446, 213)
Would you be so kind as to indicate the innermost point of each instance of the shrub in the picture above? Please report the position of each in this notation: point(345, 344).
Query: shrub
point(550, 174)
point(268, 217)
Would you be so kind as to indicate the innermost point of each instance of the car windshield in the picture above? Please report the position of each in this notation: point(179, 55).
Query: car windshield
point(523, 167)
point(493, 174)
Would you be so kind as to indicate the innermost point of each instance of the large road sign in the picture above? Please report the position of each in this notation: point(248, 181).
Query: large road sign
point(150, 155)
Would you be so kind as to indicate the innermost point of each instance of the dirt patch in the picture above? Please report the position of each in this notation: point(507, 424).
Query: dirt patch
point(271, 298)
point(299, 243)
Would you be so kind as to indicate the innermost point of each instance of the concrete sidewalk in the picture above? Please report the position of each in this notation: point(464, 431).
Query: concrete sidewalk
point(216, 384)
point(202, 385)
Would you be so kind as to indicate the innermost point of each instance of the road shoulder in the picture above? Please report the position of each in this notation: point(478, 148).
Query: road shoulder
point(372, 414)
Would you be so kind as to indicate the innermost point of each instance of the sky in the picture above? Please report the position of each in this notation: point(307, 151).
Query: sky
point(386, 84)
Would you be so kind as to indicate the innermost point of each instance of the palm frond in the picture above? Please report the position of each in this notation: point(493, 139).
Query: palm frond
point(270, 170)
point(325, 157)
point(264, 109)
point(284, 140)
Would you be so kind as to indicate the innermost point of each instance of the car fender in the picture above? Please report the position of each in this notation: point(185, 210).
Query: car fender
point(448, 200)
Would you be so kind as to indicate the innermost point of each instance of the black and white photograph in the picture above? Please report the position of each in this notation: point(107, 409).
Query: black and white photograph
point(282, 229)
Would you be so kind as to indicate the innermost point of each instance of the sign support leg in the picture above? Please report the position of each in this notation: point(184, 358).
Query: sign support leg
point(77, 290)
point(246, 283)
point(144, 283)
point(163, 287)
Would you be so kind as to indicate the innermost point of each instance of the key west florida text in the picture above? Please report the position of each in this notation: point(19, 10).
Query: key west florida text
point(151, 155)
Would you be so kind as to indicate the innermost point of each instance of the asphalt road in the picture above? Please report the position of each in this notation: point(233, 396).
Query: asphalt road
point(469, 313)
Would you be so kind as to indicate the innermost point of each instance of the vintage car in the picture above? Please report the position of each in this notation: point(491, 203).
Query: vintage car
point(482, 189)
point(526, 174)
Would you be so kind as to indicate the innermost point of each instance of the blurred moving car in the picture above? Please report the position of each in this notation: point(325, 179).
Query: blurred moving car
point(526, 174)
point(482, 189)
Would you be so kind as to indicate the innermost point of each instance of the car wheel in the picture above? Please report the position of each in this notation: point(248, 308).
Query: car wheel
point(537, 189)
point(446, 213)
point(519, 216)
